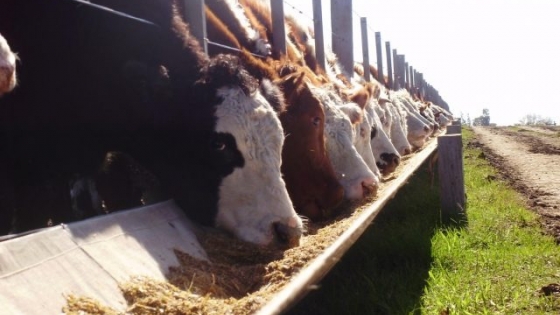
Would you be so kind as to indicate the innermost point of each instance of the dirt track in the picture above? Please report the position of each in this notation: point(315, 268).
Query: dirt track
point(529, 158)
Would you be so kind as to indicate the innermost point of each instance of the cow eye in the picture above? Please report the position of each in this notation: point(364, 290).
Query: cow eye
point(316, 121)
point(218, 145)
point(373, 132)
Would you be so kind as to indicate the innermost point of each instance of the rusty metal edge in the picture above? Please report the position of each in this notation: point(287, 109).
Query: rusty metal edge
point(304, 281)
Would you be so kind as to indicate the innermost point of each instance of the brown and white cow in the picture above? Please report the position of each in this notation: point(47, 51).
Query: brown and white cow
point(7, 67)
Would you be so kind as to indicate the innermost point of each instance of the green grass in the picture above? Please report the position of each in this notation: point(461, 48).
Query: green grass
point(409, 262)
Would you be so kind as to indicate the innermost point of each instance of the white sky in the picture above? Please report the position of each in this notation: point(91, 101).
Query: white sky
point(503, 55)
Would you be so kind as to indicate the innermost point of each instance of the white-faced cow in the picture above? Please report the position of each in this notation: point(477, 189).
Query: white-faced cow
point(340, 130)
point(419, 128)
point(96, 82)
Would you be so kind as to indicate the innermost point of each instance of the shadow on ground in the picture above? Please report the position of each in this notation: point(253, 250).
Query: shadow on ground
point(386, 271)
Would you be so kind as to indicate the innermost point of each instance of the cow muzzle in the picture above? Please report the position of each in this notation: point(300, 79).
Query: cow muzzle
point(287, 234)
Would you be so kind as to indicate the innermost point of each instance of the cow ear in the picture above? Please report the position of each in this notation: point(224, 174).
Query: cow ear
point(360, 97)
point(291, 82)
point(273, 95)
point(353, 111)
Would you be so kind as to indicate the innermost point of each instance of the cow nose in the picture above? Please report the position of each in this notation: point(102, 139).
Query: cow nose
point(288, 234)
point(6, 74)
point(427, 129)
point(407, 151)
point(369, 186)
point(391, 158)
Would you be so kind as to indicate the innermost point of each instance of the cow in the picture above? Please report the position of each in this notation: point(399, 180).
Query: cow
point(340, 129)
point(443, 116)
point(394, 122)
point(98, 82)
point(386, 155)
point(309, 175)
point(419, 128)
point(8, 59)
point(233, 15)
point(350, 168)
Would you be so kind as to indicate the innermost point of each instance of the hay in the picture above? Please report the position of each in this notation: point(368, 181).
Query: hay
point(239, 277)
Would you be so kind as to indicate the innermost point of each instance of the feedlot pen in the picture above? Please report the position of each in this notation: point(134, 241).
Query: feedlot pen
point(153, 260)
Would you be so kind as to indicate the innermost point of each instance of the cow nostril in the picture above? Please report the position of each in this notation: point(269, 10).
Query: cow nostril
point(396, 160)
point(285, 235)
point(426, 129)
point(369, 189)
point(406, 151)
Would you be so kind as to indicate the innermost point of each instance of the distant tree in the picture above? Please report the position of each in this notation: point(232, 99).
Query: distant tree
point(463, 120)
point(477, 121)
point(483, 120)
point(533, 119)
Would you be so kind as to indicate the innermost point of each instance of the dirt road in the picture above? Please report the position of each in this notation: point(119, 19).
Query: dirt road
point(529, 158)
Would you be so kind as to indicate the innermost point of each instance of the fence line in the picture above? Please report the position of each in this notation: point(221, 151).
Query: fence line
point(399, 72)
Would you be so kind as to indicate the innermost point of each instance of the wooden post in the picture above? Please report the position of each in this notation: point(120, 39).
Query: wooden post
point(406, 76)
point(453, 129)
point(416, 81)
point(196, 18)
point(278, 28)
point(402, 71)
point(379, 53)
point(365, 49)
point(343, 38)
point(389, 64)
point(450, 171)
point(412, 79)
point(396, 71)
point(422, 84)
point(319, 34)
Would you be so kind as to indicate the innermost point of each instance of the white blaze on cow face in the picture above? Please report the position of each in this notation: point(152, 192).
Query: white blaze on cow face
point(253, 200)
point(399, 129)
point(419, 129)
point(350, 168)
point(7, 67)
point(362, 142)
point(386, 155)
point(384, 116)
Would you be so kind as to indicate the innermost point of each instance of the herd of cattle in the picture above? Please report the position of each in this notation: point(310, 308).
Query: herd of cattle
point(119, 107)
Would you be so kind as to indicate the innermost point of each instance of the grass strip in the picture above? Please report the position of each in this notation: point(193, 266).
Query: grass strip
point(409, 262)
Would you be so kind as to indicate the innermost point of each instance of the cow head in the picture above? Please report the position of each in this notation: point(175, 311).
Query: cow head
point(311, 180)
point(7, 67)
point(386, 156)
point(235, 138)
point(351, 169)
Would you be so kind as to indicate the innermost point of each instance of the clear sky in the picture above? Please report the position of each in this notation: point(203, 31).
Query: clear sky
point(503, 55)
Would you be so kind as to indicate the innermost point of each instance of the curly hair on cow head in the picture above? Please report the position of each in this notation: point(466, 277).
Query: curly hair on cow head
point(227, 70)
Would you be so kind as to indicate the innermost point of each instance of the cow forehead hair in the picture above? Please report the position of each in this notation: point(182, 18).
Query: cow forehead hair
point(253, 122)
point(227, 70)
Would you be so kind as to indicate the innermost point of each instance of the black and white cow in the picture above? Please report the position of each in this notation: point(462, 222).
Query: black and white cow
point(100, 88)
